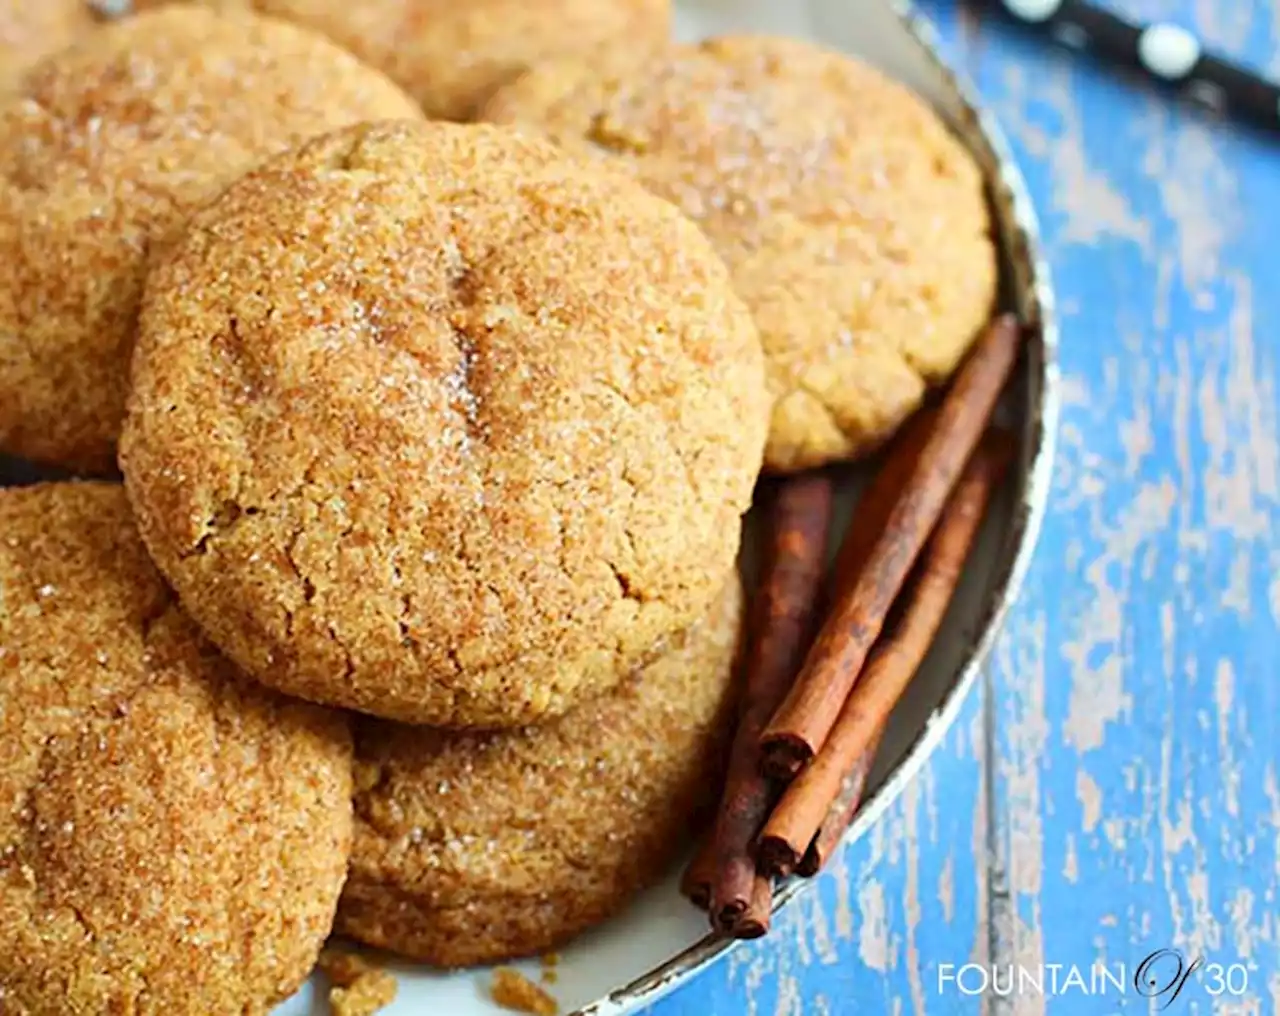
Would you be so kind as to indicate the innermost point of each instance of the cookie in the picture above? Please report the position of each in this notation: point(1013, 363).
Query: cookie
point(433, 422)
point(30, 29)
point(173, 837)
point(103, 152)
point(474, 848)
point(451, 56)
point(855, 225)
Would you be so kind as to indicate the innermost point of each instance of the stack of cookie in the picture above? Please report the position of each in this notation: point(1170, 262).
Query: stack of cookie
point(435, 440)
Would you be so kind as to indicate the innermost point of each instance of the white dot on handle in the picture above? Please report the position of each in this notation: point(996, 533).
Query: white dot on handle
point(1169, 51)
point(1033, 10)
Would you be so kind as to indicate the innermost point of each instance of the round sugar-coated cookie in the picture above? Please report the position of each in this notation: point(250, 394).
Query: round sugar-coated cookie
point(434, 422)
point(173, 836)
point(856, 227)
point(104, 149)
point(474, 848)
point(451, 56)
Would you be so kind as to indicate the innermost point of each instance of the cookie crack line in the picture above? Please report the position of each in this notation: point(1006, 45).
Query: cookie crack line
point(220, 524)
point(290, 612)
point(402, 620)
point(342, 159)
point(628, 590)
point(116, 708)
point(624, 584)
point(233, 513)
point(23, 849)
point(462, 394)
point(348, 661)
point(310, 592)
point(79, 916)
point(673, 450)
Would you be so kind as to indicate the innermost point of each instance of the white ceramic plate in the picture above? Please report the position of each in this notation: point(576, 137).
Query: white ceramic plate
point(661, 941)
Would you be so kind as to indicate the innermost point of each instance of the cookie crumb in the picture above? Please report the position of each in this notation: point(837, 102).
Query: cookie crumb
point(512, 990)
point(371, 993)
point(360, 988)
point(342, 967)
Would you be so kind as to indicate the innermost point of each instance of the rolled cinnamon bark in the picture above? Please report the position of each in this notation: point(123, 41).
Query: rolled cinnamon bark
point(841, 813)
point(754, 922)
point(803, 723)
point(871, 514)
point(783, 622)
point(875, 503)
point(897, 656)
point(695, 886)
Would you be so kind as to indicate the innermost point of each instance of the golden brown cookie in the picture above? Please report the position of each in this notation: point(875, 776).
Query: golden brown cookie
point(435, 423)
point(474, 848)
point(31, 28)
point(451, 55)
point(104, 150)
point(854, 224)
point(173, 838)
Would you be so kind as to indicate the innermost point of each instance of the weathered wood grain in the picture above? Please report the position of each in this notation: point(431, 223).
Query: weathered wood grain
point(1116, 789)
point(1136, 706)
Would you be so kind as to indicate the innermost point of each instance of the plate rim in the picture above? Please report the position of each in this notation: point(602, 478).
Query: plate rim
point(1033, 298)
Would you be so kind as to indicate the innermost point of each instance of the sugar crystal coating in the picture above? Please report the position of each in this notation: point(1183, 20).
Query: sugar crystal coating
point(855, 226)
point(473, 848)
point(438, 424)
point(104, 149)
point(173, 837)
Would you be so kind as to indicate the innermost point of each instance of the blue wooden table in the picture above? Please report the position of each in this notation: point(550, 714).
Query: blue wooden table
point(1114, 789)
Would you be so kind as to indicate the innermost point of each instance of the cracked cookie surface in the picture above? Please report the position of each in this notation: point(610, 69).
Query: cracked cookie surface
point(435, 423)
point(855, 226)
point(173, 837)
point(474, 848)
point(104, 149)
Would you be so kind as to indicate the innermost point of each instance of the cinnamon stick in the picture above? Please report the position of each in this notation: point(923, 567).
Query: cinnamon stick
point(695, 886)
point(754, 923)
point(841, 813)
point(783, 620)
point(802, 724)
point(875, 503)
point(896, 658)
point(871, 514)
point(780, 859)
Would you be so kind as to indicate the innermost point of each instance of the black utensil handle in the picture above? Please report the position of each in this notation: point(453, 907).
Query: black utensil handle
point(1168, 54)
